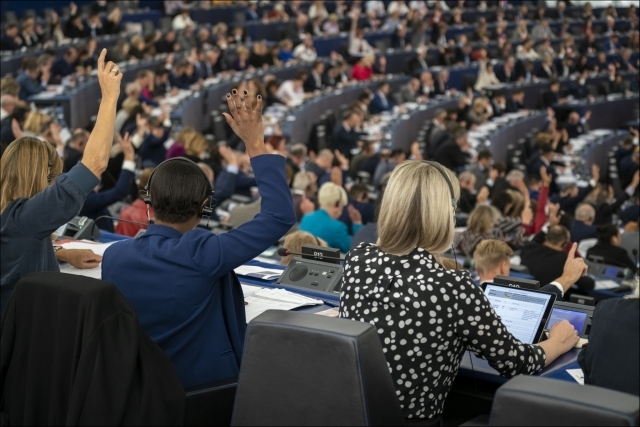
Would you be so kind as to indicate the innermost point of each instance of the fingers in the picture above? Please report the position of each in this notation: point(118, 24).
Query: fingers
point(235, 96)
point(258, 107)
point(572, 251)
point(103, 55)
point(229, 119)
point(244, 101)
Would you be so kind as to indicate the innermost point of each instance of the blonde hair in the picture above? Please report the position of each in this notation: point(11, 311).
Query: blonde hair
point(332, 195)
point(489, 254)
point(368, 60)
point(482, 218)
point(35, 121)
point(193, 141)
point(294, 242)
point(129, 104)
point(303, 181)
point(517, 204)
point(24, 169)
point(416, 209)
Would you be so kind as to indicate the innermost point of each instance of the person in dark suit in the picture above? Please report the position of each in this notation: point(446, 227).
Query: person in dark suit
point(10, 39)
point(507, 73)
point(441, 82)
point(313, 81)
point(546, 261)
point(65, 65)
point(463, 54)
point(493, 258)
point(553, 95)
point(380, 102)
point(608, 248)
point(204, 333)
point(469, 198)
point(543, 160)
point(515, 102)
point(418, 62)
point(344, 137)
point(30, 80)
point(611, 358)
point(454, 153)
point(408, 92)
point(582, 227)
point(296, 29)
point(399, 38)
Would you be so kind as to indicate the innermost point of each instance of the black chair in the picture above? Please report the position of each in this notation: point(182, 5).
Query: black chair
point(305, 369)
point(536, 401)
point(210, 404)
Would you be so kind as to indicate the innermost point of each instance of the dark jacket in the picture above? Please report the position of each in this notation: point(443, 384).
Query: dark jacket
point(467, 201)
point(544, 263)
point(451, 156)
point(344, 140)
point(152, 148)
point(311, 85)
point(581, 231)
point(613, 255)
point(97, 203)
point(28, 86)
point(27, 224)
point(73, 354)
point(611, 358)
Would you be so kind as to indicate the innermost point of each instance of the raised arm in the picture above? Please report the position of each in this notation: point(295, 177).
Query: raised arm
point(96, 153)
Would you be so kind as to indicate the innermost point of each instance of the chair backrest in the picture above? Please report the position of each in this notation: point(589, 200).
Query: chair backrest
point(305, 369)
point(210, 404)
point(527, 400)
point(585, 245)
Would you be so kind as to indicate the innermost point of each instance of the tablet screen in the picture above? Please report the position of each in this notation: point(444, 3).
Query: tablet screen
point(576, 318)
point(523, 312)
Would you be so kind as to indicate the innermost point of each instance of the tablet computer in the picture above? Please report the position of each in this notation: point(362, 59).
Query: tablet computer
point(523, 312)
point(578, 315)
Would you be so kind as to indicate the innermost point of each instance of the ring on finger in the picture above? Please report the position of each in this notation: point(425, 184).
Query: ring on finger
point(116, 69)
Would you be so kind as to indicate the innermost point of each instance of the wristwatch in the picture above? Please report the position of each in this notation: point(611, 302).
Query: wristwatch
point(57, 248)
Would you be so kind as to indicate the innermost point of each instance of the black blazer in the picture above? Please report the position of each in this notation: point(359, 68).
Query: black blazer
point(451, 156)
point(310, 84)
point(544, 263)
point(613, 255)
point(344, 140)
point(611, 358)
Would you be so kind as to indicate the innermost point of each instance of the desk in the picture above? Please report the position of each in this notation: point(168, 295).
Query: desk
point(613, 113)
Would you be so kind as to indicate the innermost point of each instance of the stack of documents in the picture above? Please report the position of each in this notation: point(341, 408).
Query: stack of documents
point(604, 284)
point(97, 248)
point(258, 300)
point(258, 272)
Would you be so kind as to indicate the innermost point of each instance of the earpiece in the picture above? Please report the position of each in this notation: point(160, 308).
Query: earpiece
point(207, 210)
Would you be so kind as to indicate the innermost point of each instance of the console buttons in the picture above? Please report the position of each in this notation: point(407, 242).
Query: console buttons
point(314, 283)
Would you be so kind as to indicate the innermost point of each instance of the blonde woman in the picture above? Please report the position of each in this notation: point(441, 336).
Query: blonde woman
point(427, 316)
point(324, 222)
point(35, 200)
point(294, 242)
point(479, 228)
point(34, 123)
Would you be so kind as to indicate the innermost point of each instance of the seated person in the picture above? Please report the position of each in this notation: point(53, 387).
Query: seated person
point(98, 201)
point(324, 222)
point(359, 199)
point(493, 258)
point(137, 211)
point(546, 260)
point(179, 278)
point(582, 227)
point(608, 248)
point(345, 137)
point(294, 242)
point(610, 359)
point(480, 226)
point(152, 150)
point(399, 285)
point(381, 102)
point(37, 199)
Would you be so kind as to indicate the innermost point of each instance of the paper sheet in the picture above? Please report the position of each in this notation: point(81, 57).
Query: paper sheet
point(332, 312)
point(577, 375)
point(260, 300)
point(606, 284)
point(95, 273)
point(97, 248)
point(249, 290)
point(258, 272)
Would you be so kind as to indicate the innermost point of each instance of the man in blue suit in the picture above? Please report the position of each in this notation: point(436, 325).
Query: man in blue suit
point(345, 137)
point(28, 79)
point(582, 227)
point(180, 278)
point(381, 102)
point(544, 161)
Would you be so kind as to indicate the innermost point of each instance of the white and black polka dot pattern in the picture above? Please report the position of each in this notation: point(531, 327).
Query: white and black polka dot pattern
point(427, 317)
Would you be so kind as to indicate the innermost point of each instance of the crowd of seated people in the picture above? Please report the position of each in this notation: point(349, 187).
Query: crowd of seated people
point(528, 211)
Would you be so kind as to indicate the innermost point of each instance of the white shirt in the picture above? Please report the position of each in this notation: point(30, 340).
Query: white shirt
point(180, 22)
point(3, 114)
point(289, 94)
point(359, 47)
point(305, 54)
point(398, 6)
point(377, 6)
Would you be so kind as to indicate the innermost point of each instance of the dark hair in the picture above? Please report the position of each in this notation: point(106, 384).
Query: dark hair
point(30, 63)
point(357, 190)
point(301, 74)
point(546, 148)
point(382, 84)
point(154, 122)
point(177, 191)
point(11, 25)
point(161, 70)
point(271, 84)
point(500, 167)
point(396, 152)
point(20, 113)
point(606, 232)
point(363, 96)
point(484, 154)
point(501, 201)
point(557, 235)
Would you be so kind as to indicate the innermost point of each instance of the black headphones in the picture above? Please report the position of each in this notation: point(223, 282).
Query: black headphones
point(207, 210)
point(454, 202)
point(49, 171)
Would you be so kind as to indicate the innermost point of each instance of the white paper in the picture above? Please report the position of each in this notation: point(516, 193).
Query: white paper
point(95, 273)
point(604, 284)
point(249, 290)
point(332, 312)
point(260, 300)
point(97, 248)
point(258, 272)
point(256, 306)
point(577, 375)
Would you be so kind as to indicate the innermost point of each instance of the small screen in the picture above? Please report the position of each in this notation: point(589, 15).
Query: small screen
point(576, 318)
point(611, 271)
point(70, 232)
point(522, 311)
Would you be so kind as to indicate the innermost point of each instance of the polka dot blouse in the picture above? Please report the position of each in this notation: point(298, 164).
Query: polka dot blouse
point(427, 317)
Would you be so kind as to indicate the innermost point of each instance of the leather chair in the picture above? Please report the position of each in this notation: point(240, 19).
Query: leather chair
point(210, 404)
point(536, 401)
point(305, 369)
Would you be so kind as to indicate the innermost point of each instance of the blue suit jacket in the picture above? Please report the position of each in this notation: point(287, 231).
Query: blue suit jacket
point(581, 231)
point(332, 231)
point(28, 86)
point(96, 204)
point(377, 106)
point(183, 288)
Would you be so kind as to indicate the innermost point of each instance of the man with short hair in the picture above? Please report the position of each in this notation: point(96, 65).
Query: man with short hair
point(10, 39)
point(380, 102)
point(75, 148)
point(306, 51)
point(481, 168)
point(313, 82)
point(345, 137)
point(582, 227)
point(409, 92)
point(28, 79)
point(296, 158)
point(292, 91)
point(469, 197)
point(454, 154)
point(493, 258)
point(65, 65)
point(7, 103)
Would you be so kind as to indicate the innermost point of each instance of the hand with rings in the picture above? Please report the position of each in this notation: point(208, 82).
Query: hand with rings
point(109, 77)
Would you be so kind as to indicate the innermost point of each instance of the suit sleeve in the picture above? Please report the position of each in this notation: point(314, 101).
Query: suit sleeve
point(97, 201)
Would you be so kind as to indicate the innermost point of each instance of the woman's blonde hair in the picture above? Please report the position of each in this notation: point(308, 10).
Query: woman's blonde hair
point(294, 242)
point(35, 122)
point(417, 210)
point(517, 204)
point(482, 218)
point(368, 60)
point(332, 195)
point(26, 168)
point(194, 144)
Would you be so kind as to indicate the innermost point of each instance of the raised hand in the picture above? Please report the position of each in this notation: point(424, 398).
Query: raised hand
point(574, 268)
point(595, 172)
point(546, 178)
point(109, 77)
point(228, 155)
point(126, 146)
point(246, 121)
point(354, 215)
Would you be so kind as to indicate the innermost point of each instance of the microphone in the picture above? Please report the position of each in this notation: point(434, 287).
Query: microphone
point(93, 228)
point(285, 252)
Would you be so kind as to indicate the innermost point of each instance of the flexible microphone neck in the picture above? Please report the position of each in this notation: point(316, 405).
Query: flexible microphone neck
point(95, 223)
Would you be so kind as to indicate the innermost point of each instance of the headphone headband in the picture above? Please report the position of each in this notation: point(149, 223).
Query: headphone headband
point(439, 168)
point(208, 208)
